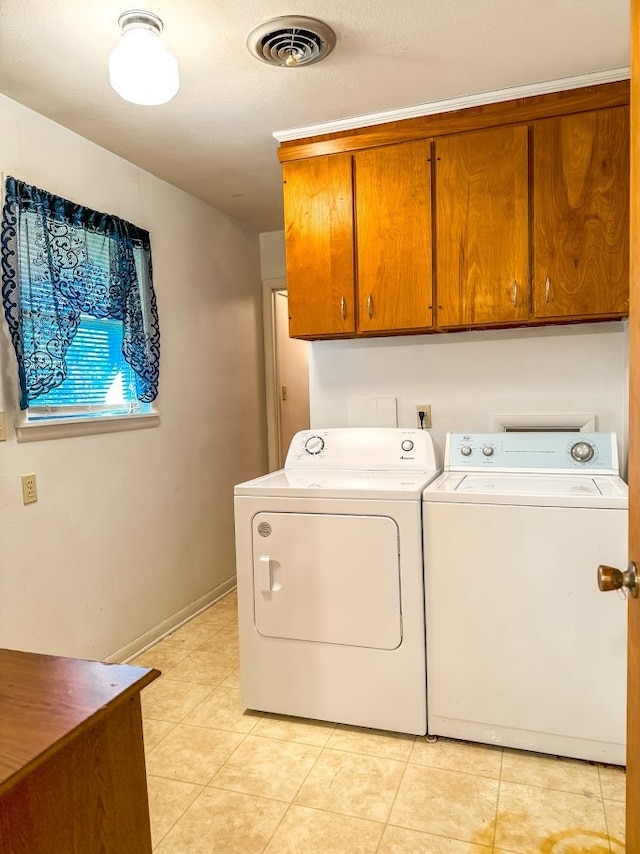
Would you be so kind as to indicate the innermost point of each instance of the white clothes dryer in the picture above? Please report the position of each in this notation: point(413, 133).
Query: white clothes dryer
point(522, 649)
point(330, 580)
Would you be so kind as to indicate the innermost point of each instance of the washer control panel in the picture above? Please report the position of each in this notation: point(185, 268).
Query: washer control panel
point(368, 448)
point(533, 451)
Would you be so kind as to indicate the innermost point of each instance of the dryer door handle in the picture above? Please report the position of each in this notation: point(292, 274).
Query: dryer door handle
point(264, 578)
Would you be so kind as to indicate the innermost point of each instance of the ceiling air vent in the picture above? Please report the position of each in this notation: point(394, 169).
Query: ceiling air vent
point(291, 40)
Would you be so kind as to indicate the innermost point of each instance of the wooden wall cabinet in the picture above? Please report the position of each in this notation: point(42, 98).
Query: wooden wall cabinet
point(318, 216)
point(581, 215)
point(358, 241)
point(530, 208)
point(393, 237)
point(482, 228)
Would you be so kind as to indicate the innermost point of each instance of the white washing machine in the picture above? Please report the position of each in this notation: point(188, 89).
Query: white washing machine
point(522, 649)
point(330, 580)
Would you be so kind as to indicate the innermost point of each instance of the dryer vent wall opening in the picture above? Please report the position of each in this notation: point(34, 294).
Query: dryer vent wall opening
point(291, 41)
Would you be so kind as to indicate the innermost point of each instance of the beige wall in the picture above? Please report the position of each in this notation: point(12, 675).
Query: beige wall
point(134, 531)
point(272, 257)
point(468, 377)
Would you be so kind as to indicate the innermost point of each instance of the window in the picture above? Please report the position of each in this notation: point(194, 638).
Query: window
point(99, 381)
point(79, 302)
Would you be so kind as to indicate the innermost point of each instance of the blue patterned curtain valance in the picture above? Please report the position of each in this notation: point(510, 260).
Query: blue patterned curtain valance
point(61, 260)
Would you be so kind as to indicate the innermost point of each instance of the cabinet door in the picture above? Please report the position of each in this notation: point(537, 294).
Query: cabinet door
point(581, 214)
point(393, 237)
point(482, 231)
point(318, 216)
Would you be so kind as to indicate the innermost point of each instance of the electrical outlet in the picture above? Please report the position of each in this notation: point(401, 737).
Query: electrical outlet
point(29, 489)
point(3, 427)
point(424, 422)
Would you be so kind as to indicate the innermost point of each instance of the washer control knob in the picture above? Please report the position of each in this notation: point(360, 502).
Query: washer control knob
point(465, 450)
point(582, 452)
point(407, 445)
point(487, 451)
point(314, 444)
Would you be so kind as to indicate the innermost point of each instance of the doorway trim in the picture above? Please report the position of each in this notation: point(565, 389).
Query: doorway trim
point(269, 288)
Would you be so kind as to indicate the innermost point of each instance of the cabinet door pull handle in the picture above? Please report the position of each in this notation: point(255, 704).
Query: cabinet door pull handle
point(515, 293)
point(370, 306)
point(343, 308)
point(547, 289)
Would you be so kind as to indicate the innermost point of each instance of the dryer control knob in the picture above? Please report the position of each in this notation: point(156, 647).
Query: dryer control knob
point(465, 450)
point(487, 451)
point(314, 444)
point(407, 445)
point(582, 452)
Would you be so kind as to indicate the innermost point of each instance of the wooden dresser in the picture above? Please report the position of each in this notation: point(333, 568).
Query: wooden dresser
point(72, 770)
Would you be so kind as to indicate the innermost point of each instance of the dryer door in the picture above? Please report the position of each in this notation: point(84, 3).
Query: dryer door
point(327, 578)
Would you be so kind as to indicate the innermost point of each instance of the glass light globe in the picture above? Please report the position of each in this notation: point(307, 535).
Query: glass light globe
point(141, 69)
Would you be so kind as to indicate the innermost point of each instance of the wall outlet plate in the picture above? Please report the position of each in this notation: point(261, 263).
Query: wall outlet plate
point(425, 423)
point(29, 489)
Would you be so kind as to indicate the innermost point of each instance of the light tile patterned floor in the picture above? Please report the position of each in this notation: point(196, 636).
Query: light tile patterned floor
point(224, 781)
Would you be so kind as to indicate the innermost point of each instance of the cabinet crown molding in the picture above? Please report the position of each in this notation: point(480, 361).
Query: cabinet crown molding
point(545, 87)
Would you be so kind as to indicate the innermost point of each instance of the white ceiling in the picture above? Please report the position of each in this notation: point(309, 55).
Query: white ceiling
point(215, 140)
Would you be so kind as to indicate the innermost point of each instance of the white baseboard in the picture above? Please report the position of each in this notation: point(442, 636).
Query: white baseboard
point(166, 627)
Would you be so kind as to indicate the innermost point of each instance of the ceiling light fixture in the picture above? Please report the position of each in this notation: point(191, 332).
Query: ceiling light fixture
point(141, 69)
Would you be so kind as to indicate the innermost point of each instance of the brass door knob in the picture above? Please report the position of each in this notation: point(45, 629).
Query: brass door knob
point(612, 578)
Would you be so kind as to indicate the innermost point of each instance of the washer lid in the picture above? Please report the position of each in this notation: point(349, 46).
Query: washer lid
point(372, 485)
point(542, 490)
point(529, 485)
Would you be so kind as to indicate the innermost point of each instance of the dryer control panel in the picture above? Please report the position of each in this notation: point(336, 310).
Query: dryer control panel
point(533, 451)
point(362, 448)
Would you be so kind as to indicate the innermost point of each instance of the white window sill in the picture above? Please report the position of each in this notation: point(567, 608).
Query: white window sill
point(37, 431)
